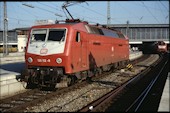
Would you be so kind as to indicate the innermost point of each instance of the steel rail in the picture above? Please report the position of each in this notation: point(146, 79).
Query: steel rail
point(104, 100)
point(92, 107)
point(143, 95)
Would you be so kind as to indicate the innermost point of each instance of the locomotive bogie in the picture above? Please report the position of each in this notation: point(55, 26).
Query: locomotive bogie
point(43, 76)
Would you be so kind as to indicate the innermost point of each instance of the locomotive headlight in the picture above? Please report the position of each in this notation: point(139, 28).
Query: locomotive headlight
point(58, 60)
point(30, 59)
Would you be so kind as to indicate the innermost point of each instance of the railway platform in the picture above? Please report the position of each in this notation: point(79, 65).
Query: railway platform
point(12, 58)
point(164, 105)
point(8, 83)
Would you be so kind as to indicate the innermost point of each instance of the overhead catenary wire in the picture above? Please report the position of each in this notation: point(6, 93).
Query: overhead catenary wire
point(141, 5)
point(166, 16)
point(150, 12)
point(164, 6)
point(138, 4)
point(64, 12)
point(11, 25)
point(162, 12)
point(16, 19)
point(93, 14)
point(30, 13)
point(15, 13)
point(78, 15)
point(31, 6)
point(52, 7)
point(139, 18)
point(20, 19)
point(49, 11)
point(99, 13)
point(33, 14)
point(94, 11)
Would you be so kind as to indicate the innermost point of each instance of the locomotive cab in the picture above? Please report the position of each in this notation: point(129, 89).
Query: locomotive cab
point(44, 56)
point(43, 41)
point(48, 55)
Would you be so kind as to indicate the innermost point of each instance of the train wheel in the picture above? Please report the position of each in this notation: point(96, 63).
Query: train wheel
point(89, 80)
point(98, 71)
point(65, 82)
point(73, 79)
point(30, 84)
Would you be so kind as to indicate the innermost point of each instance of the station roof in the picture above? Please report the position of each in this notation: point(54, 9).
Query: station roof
point(140, 25)
point(116, 26)
point(24, 28)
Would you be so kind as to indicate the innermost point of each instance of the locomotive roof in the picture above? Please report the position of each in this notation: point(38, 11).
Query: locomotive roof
point(70, 22)
point(79, 25)
point(83, 26)
point(57, 24)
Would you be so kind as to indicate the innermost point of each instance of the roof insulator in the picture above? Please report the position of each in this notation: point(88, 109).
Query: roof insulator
point(72, 20)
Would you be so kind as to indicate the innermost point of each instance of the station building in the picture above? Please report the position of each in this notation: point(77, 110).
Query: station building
point(17, 39)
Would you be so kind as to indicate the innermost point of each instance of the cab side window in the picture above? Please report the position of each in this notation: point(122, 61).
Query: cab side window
point(78, 37)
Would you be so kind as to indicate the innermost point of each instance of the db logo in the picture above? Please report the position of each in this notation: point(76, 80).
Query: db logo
point(43, 51)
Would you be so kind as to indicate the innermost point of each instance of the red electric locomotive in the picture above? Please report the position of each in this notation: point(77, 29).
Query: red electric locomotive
point(58, 54)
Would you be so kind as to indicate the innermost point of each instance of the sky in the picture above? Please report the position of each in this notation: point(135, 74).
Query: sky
point(136, 12)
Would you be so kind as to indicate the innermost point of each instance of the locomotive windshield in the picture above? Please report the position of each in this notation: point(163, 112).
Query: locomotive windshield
point(56, 35)
point(39, 35)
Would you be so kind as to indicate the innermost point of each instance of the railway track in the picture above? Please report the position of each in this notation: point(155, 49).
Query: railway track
point(139, 103)
point(103, 103)
point(20, 101)
point(121, 100)
point(32, 98)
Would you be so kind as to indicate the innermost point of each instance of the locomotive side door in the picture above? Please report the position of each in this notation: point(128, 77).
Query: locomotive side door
point(83, 50)
point(79, 52)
